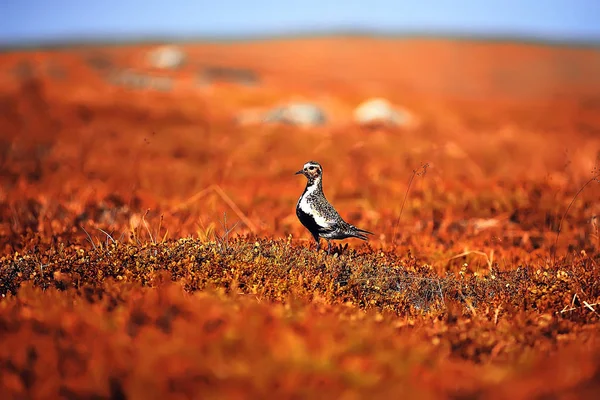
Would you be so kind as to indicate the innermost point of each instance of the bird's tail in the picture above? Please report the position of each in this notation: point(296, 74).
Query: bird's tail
point(360, 233)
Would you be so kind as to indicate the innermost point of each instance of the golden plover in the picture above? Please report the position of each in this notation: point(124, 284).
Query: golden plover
point(318, 215)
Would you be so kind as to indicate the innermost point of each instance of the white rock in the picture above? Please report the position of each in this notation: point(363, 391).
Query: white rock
point(305, 114)
point(167, 57)
point(381, 111)
point(134, 80)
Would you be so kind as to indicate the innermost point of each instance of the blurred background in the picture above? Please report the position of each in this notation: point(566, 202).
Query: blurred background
point(124, 106)
point(477, 72)
point(39, 21)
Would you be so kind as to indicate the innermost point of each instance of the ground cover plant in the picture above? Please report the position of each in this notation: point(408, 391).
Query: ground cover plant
point(149, 245)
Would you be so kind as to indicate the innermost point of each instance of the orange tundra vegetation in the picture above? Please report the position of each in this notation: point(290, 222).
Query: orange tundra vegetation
point(150, 249)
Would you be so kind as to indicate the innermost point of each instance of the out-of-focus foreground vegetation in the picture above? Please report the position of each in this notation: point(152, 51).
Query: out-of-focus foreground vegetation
point(149, 246)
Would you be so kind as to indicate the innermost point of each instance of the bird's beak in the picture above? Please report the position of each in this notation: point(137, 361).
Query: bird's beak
point(299, 172)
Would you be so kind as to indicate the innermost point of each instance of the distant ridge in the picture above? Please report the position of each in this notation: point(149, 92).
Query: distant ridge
point(156, 39)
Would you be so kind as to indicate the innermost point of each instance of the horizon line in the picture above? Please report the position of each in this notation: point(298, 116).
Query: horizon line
point(158, 38)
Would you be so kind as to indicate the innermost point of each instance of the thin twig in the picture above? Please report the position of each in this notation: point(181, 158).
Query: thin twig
point(146, 225)
point(468, 303)
point(217, 189)
point(410, 181)
point(159, 225)
point(191, 199)
point(89, 237)
point(489, 259)
point(586, 305)
point(496, 313)
point(595, 178)
point(235, 208)
point(441, 293)
point(224, 239)
point(107, 235)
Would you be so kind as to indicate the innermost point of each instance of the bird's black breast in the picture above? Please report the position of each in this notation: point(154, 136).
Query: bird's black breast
point(308, 221)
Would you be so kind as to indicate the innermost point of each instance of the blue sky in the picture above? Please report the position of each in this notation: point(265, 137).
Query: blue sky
point(41, 21)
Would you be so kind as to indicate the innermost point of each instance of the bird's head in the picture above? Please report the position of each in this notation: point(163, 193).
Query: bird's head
point(312, 170)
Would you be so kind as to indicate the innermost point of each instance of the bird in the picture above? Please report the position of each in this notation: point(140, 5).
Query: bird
point(318, 215)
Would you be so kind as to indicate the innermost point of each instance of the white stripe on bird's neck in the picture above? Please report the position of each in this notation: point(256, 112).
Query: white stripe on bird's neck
point(309, 209)
point(311, 187)
point(316, 181)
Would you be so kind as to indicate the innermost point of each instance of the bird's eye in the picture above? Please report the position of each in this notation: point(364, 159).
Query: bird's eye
point(311, 168)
